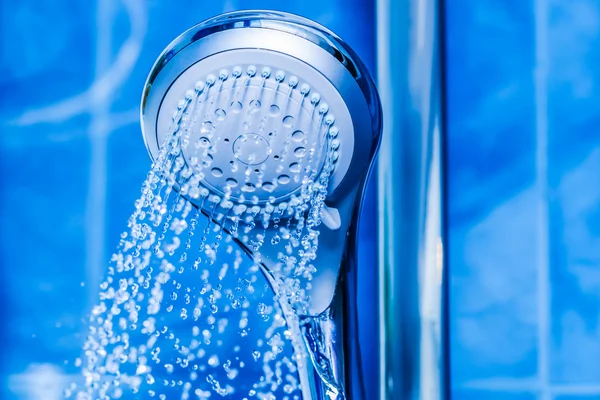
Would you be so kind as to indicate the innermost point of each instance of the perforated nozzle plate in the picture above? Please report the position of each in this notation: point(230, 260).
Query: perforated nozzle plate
point(253, 137)
point(257, 130)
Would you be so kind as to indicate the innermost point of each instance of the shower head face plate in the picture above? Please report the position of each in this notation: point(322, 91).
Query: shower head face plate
point(256, 131)
point(307, 54)
point(205, 50)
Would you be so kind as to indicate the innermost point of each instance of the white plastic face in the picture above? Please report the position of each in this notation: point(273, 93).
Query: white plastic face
point(260, 128)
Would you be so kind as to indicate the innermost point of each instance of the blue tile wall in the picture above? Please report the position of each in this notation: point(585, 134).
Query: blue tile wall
point(574, 196)
point(72, 161)
point(524, 204)
point(492, 174)
point(524, 167)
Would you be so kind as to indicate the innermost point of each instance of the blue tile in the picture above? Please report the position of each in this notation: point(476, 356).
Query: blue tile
point(490, 104)
point(573, 170)
point(37, 71)
point(493, 316)
point(127, 164)
point(41, 210)
point(492, 199)
point(149, 42)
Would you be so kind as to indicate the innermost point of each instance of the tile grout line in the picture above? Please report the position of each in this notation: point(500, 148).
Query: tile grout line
point(521, 385)
point(102, 124)
point(96, 201)
point(541, 117)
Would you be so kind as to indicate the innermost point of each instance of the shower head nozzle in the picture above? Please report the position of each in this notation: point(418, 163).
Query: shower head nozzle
point(273, 117)
point(271, 111)
point(263, 93)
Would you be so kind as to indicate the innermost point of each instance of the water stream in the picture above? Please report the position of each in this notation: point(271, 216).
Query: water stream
point(202, 297)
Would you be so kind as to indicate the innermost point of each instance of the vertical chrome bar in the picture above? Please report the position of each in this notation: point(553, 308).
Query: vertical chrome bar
point(410, 202)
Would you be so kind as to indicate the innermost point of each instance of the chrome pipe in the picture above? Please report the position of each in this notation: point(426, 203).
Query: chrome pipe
point(412, 358)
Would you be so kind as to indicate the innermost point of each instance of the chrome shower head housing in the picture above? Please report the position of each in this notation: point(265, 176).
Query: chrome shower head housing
point(245, 64)
point(271, 88)
point(265, 102)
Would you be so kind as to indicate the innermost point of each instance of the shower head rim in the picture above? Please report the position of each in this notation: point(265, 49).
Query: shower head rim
point(275, 41)
point(328, 93)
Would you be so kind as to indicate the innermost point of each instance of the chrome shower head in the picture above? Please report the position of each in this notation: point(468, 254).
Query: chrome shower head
point(264, 102)
point(256, 64)
point(276, 99)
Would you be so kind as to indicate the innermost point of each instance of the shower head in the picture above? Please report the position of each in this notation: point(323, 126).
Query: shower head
point(273, 99)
